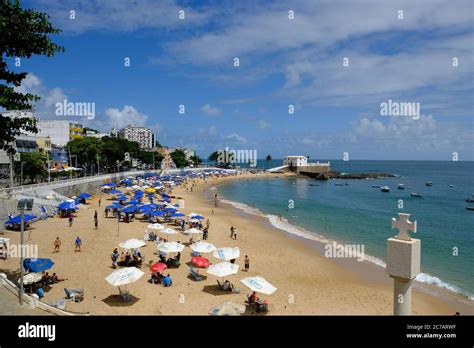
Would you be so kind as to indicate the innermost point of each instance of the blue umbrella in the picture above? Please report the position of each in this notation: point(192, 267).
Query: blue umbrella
point(84, 195)
point(38, 265)
point(110, 184)
point(170, 210)
point(115, 192)
point(114, 206)
point(133, 201)
point(199, 217)
point(120, 199)
point(67, 205)
point(17, 219)
point(177, 214)
point(138, 193)
point(158, 213)
point(130, 209)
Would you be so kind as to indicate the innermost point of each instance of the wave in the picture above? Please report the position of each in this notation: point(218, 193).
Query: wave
point(286, 226)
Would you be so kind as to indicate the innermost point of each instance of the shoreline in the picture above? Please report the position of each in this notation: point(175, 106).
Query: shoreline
point(307, 283)
point(372, 269)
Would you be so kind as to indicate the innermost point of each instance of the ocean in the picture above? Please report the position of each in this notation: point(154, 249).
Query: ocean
point(357, 213)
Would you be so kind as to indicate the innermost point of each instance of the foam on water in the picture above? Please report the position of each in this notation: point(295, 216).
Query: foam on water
point(284, 225)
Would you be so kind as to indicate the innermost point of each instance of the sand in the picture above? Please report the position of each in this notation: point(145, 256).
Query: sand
point(307, 282)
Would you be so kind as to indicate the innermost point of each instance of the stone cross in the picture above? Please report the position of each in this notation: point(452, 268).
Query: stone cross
point(404, 225)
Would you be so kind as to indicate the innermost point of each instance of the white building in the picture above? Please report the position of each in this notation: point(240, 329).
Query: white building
point(295, 161)
point(142, 135)
point(60, 131)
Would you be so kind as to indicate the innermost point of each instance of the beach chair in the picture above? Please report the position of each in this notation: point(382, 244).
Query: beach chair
point(195, 275)
point(77, 295)
point(234, 289)
point(224, 286)
point(172, 263)
point(125, 295)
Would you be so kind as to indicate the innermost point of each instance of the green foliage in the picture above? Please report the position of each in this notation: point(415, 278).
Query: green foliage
point(214, 156)
point(23, 33)
point(179, 158)
point(34, 166)
point(147, 157)
point(196, 160)
point(86, 149)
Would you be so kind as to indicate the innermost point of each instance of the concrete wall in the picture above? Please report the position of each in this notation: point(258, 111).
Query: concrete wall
point(314, 169)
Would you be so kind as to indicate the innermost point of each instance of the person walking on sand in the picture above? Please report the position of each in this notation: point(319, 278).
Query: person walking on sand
point(208, 224)
point(100, 201)
point(231, 231)
point(235, 234)
point(77, 243)
point(70, 220)
point(246, 263)
point(57, 245)
point(95, 214)
point(96, 223)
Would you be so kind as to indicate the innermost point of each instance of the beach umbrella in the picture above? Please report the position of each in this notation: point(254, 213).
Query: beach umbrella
point(194, 220)
point(124, 276)
point(84, 195)
point(202, 247)
point(177, 214)
point(115, 192)
point(170, 247)
point(114, 206)
point(136, 187)
point(228, 308)
point(226, 254)
point(130, 209)
point(192, 215)
point(158, 267)
point(158, 213)
point(223, 269)
point(170, 210)
point(38, 265)
point(67, 205)
point(133, 202)
point(193, 231)
point(150, 189)
point(132, 244)
point(17, 219)
point(200, 261)
point(156, 227)
point(122, 198)
point(32, 278)
point(259, 284)
point(168, 231)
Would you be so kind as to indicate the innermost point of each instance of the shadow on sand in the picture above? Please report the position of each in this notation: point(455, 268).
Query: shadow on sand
point(117, 301)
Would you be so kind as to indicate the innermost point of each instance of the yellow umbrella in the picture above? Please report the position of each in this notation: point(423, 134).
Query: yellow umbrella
point(150, 189)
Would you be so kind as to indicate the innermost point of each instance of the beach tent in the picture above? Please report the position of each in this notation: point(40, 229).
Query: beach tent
point(259, 284)
point(226, 254)
point(203, 247)
point(37, 265)
point(223, 269)
point(228, 308)
point(132, 244)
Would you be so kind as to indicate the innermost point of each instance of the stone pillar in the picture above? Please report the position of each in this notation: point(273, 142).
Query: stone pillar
point(403, 263)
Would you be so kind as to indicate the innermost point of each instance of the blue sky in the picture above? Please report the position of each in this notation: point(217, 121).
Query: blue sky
point(282, 61)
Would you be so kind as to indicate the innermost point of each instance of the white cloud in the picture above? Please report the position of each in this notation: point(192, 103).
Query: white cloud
point(210, 110)
point(237, 139)
point(121, 118)
point(263, 124)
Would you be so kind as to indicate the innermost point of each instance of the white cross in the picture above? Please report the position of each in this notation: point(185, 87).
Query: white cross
point(404, 226)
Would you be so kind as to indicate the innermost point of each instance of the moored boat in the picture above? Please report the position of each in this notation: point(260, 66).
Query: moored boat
point(414, 194)
point(429, 183)
point(385, 189)
point(401, 186)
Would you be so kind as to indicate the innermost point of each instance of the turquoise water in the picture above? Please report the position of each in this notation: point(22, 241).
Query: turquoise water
point(358, 213)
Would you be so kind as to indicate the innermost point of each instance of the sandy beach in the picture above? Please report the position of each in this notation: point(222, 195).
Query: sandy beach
point(307, 282)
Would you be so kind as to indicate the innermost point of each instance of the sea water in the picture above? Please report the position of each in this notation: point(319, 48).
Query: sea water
point(359, 213)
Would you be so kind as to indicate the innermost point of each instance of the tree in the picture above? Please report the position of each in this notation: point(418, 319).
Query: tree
point(23, 33)
point(196, 160)
point(87, 150)
point(214, 156)
point(269, 158)
point(34, 166)
point(153, 158)
point(179, 158)
point(114, 150)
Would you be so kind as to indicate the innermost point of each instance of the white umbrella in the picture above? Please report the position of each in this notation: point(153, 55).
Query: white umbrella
point(136, 187)
point(223, 269)
point(194, 220)
point(193, 215)
point(32, 278)
point(202, 247)
point(132, 244)
point(226, 254)
point(168, 230)
point(170, 247)
point(156, 227)
point(259, 284)
point(193, 231)
point(124, 276)
point(228, 308)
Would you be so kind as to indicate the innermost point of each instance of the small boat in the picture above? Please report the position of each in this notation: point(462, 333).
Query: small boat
point(313, 185)
point(414, 194)
point(452, 186)
point(376, 186)
point(469, 208)
point(471, 199)
point(401, 186)
point(385, 189)
point(338, 184)
point(410, 187)
point(429, 183)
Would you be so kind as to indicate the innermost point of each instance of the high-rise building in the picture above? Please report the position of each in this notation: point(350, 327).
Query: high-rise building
point(60, 131)
point(142, 135)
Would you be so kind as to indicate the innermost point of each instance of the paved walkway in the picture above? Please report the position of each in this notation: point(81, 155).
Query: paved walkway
point(9, 305)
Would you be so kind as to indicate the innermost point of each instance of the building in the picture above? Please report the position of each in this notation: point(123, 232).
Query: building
point(91, 134)
point(44, 144)
point(300, 164)
point(142, 135)
point(60, 131)
point(22, 114)
point(295, 161)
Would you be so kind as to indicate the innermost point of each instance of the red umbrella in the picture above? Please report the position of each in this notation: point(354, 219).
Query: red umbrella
point(200, 261)
point(158, 267)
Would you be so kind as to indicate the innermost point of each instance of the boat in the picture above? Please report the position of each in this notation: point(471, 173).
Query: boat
point(401, 186)
point(452, 186)
point(429, 183)
point(410, 187)
point(376, 186)
point(338, 184)
point(469, 208)
point(414, 194)
point(471, 199)
point(313, 185)
point(385, 189)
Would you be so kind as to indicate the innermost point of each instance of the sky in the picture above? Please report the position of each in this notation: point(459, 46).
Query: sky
point(333, 62)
